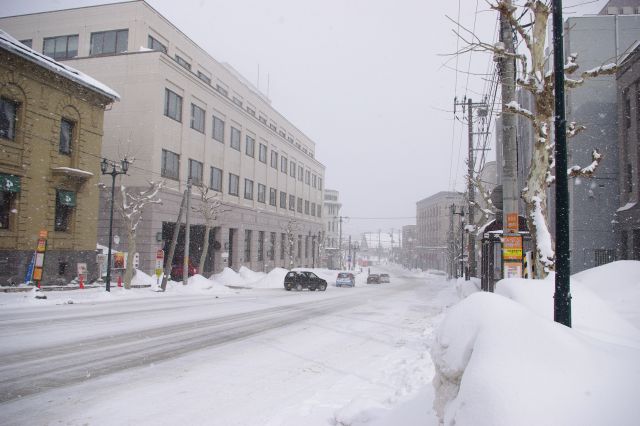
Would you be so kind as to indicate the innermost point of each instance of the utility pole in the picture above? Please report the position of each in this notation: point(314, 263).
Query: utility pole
point(187, 226)
point(340, 245)
point(350, 258)
point(452, 245)
point(512, 262)
point(562, 296)
point(470, 105)
point(379, 247)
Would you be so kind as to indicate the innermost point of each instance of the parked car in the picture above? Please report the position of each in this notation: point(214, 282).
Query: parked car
point(345, 279)
point(178, 267)
point(304, 279)
point(373, 279)
point(384, 278)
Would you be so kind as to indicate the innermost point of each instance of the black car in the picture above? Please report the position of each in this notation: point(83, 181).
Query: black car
point(304, 279)
point(373, 279)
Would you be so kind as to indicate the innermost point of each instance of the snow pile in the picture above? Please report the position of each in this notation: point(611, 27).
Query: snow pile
point(250, 276)
point(501, 360)
point(466, 288)
point(228, 277)
point(274, 279)
point(142, 279)
point(197, 284)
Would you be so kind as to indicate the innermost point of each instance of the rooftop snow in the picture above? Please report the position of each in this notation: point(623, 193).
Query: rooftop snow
point(11, 44)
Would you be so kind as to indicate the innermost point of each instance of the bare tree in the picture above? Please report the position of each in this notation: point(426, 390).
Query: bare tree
point(131, 207)
point(290, 230)
point(210, 208)
point(530, 21)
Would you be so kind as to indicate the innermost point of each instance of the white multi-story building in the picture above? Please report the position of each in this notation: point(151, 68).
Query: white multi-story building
point(332, 206)
point(185, 115)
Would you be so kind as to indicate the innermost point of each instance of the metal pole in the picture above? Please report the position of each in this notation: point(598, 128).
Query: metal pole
point(562, 296)
point(340, 244)
point(113, 185)
point(185, 264)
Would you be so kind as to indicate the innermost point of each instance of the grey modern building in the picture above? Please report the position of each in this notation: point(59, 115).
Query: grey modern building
point(597, 40)
point(628, 213)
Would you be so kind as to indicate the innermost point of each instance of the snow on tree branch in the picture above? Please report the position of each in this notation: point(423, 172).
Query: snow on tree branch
point(515, 108)
point(573, 129)
point(577, 171)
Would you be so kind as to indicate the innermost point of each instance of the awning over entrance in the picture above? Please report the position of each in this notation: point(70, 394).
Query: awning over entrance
point(9, 183)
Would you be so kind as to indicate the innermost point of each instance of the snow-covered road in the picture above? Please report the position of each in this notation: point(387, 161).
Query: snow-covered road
point(254, 357)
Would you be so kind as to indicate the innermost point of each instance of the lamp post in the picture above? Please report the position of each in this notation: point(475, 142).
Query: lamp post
point(104, 167)
point(461, 214)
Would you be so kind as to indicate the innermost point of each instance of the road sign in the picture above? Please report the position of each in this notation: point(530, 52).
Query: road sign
point(512, 248)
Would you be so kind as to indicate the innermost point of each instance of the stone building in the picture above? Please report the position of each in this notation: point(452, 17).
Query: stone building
point(185, 115)
point(332, 206)
point(51, 121)
point(433, 219)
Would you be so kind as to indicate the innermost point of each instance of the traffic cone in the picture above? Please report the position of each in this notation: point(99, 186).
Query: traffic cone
point(119, 281)
point(81, 282)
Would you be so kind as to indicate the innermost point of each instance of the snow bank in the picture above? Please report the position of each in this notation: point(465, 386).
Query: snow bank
point(250, 276)
point(618, 283)
point(228, 277)
point(274, 279)
point(499, 363)
point(197, 284)
point(140, 279)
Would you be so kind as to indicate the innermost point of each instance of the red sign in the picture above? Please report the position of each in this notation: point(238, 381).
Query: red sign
point(512, 222)
point(160, 254)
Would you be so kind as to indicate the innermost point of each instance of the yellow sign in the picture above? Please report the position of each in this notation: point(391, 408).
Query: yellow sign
point(512, 247)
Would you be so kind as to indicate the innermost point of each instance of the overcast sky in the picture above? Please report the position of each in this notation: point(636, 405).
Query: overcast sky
point(368, 80)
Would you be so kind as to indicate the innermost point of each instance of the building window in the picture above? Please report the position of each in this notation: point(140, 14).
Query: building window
point(272, 246)
point(197, 118)
point(247, 245)
point(262, 120)
point(9, 187)
point(172, 105)
point(283, 200)
point(109, 42)
point(66, 136)
point(319, 211)
point(235, 138)
point(272, 196)
point(306, 246)
point(28, 42)
point(313, 209)
point(604, 256)
point(262, 153)
point(283, 164)
point(195, 172)
point(216, 179)
point(319, 183)
point(65, 203)
point(314, 181)
point(299, 205)
point(8, 118)
point(307, 177)
point(292, 169)
point(260, 245)
point(283, 244)
point(154, 44)
point(237, 101)
point(300, 173)
point(273, 127)
point(250, 146)
point(292, 202)
point(202, 76)
point(306, 206)
point(182, 62)
point(299, 246)
point(222, 90)
point(218, 129)
point(274, 160)
point(262, 193)
point(248, 189)
point(170, 164)
point(61, 47)
point(234, 183)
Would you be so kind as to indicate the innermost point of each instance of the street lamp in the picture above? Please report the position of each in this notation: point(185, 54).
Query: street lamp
point(104, 167)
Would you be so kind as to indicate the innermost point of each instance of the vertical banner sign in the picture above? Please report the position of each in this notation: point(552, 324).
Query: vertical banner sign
point(512, 256)
point(41, 249)
point(159, 262)
point(512, 223)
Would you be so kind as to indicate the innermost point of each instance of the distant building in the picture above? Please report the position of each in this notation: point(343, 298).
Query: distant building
point(628, 213)
point(332, 206)
point(409, 244)
point(51, 119)
point(433, 220)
